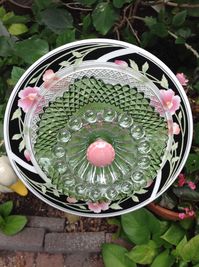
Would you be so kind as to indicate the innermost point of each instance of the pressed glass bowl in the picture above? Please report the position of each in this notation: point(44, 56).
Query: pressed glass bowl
point(94, 134)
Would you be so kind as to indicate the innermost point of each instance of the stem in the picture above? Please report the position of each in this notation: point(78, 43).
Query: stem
point(133, 31)
point(71, 6)
point(189, 47)
point(169, 3)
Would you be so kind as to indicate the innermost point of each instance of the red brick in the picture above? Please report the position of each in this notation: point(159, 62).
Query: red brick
point(47, 260)
point(74, 242)
point(49, 223)
point(83, 260)
point(30, 239)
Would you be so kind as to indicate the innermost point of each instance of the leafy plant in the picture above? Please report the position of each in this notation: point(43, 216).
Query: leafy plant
point(10, 224)
point(154, 242)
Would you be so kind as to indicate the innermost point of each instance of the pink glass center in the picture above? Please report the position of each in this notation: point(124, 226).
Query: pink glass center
point(100, 153)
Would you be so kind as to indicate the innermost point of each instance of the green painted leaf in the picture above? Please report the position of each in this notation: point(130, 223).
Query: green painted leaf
point(6, 208)
point(17, 29)
point(21, 145)
point(31, 49)
point(16, 114)
point(77, 54)
point(135, 226)
point(174, 234)
point(143, 254)
point(115, 206)
point(57, 19)
point(104, 17)
point(134, 65)
point(163, 260)
point(135, 198)
point(145, 67)
point(65, 37)
point(179, 18)
point(114, 255)
point(16, 136)
point(16, 74)
point(189, 252)
point(14, 224)
point(164, 82)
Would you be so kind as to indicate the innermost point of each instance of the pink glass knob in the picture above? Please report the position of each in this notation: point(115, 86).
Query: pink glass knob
point(100, 153)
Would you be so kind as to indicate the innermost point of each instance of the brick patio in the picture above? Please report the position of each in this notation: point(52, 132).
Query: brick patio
point(43, 243)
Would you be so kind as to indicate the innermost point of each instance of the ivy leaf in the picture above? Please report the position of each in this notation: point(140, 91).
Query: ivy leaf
point(143, 254)
point(114, 255)
point(145, 67)
point(189, 251)
point(150, 21)
point(186, 193)
point(16, 136)
point(159, 29)
point(65, 37)
point(120, 3)
point(192, 163)
point(31, 49)
point(6, 208)
point(179, 18)
point(174, 234)
point(6, 46)
point(163, 260)
point(133, 65)
point(17, 29)
point(57, 19)
point(196, 135)
point(14, 224)
point(135, 227)
point(104, 17)
point(87, 2)
point(16, 114)
point(164, 83)
point(16, 74)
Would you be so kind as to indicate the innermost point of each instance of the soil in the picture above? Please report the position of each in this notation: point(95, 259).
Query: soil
point(33, 206)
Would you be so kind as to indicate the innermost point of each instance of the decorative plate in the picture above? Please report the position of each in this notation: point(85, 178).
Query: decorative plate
point(47, 89)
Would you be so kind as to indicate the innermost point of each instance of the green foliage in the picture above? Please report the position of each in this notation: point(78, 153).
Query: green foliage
point(174, 250)
point(104, 17)
point(140, 233)
point(143, 254)
point(31, 49)
point(10, 224)
point(115, 255)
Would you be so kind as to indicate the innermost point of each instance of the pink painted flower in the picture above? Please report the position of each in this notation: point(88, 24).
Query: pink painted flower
point(173, 127)
point(121, 63)
point(181, 180)
point(181, 215)
point(97, 207)
point(71, 199)
point(49, 77)
point(191, 185)
point(27, 155)
point(171, 102)
point(27, 97)
point(182, 79)
point(149, 182)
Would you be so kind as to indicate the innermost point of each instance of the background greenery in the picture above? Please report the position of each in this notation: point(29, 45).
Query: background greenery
point(168, 29)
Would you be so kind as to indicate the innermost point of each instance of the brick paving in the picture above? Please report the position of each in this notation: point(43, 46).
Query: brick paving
point(44, 244)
